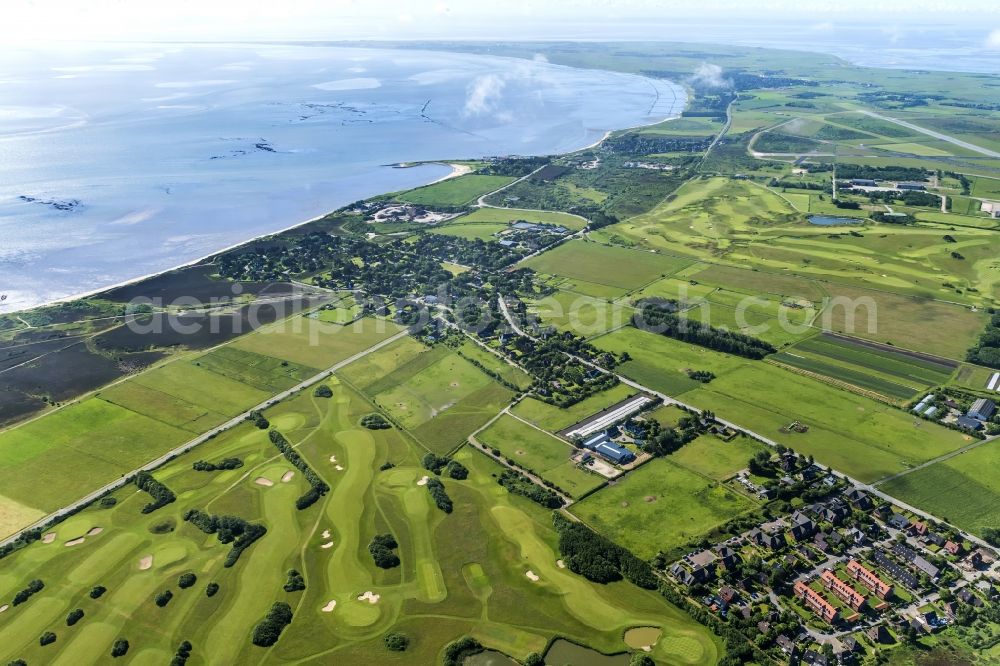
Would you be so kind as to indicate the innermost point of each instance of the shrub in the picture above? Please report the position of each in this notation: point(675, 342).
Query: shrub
point(186, 580)
point(375, 422)
point(163, 598)
point(323, 391)
point(48, 638)
point(396, 642)
point(534, 659)
point(34, 587)
point(166, 527)
point(456, 652)
point(97, 591)
point(295, 581)
point(224, 464)
point(386, 465)
point(434, 463)
point(74, 617)
point(120, 648)
point(268, 630)
point(381, 549)
point(182, 655)
point(211, 589)
point(108, 502)
point(440, 496)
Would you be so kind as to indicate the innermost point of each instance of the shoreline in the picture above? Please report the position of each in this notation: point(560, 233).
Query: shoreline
point(456, 171)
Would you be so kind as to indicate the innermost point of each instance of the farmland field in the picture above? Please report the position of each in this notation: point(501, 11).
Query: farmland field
point(712, 457)
point(660, 506)
point(314, 343)
point(454, 191)
point(539, 452)
point(611, 266)
point(464, 571)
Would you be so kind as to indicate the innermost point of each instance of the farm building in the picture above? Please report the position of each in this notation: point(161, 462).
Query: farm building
point(968, 423)
point(911, 186)
point(864, 182)
point(595, 441)
point(616, 454)
point(982, 409)
point(992, 383)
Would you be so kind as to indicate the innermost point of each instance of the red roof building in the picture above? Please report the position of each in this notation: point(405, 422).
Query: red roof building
point(815, 602)
point(845, 592)
point(869, 579)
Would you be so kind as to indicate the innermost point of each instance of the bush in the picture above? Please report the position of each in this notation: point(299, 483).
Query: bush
point(258, 420)
point(323, 391)
point(48, 638)
point(120, 648)
point(534, 659)
point(182, 655)
point(386, 465)
point(640, 659)
point(34, 587)
point(108, 502)
point(434, 463)
point(456, 652)
point(295, 582)
point(166, 527)
point(74, 617)
point(163, 598)
point(396, 642)
point(457, 470)
point(381, 549)
point(97, 591)
point(161, 495)
point(225, 463)
point(268, 631)
point(211, 589)
point(375, 422)
point(440, 496)
point(186, 580)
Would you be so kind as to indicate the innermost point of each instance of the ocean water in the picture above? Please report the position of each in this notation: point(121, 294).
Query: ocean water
point(120, 161)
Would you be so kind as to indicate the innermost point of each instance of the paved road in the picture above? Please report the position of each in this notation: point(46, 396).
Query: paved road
point(201, 439)
point(937, 135)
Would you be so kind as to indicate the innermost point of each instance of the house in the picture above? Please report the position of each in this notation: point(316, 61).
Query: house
point(786, 644)
point(842, 590)
point(869, 579)
point(953, 548)
point(965, 595)
point(968, 423)
point(813, 658)
point(878, 635)
point(849, 645)
point(935, 538)
point(727, 557)
point(835, 512)
point(856, 536)
point(918, 528)
point(982, 409)
point(820, 541)
point(802, 526)
point(614, 453)
point(916, 560)
point(899, 521)
point(815, 602)
point(728, 594)
point(896, 570)
point(763, 627)
point(702, 559)
point(951, 609)
point(859, 499)
point(761, 538)
point(864, 182)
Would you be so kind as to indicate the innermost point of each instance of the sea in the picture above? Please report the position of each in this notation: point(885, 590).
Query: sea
point(119, 161)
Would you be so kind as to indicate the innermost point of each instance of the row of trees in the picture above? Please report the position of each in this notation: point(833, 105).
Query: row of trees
point(317, 486)
point(438, 464)
point(661, 317)
point(34, 587)
point(228, 529)
point(439, 495)
point(519, 484)
point(182, 655)
point(225, 463)
point(987, 349)
point(161, 495)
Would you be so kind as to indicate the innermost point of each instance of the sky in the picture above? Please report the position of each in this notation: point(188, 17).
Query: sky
point(44, 21)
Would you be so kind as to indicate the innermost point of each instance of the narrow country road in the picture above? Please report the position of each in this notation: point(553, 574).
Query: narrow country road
point(201, 439)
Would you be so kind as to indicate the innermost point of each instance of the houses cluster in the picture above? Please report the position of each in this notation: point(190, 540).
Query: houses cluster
point(530, 235)
point(948, 411)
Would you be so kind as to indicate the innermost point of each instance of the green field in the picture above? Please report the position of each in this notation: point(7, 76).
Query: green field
point(660, 506)
point(712, 457)
point(610, 266)
point(314, 343)
point(454, 191)
point(461, 573)
point(505, 216)
point(539, 452)
point(581, 314)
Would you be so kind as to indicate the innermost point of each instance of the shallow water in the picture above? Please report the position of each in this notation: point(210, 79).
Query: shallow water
point(133, 159)
point(828, 221)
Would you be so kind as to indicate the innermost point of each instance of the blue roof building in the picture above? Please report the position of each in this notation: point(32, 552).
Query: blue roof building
point(595, 440)
point(614, 453)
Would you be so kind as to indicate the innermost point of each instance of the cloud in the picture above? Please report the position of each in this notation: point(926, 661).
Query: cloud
point(483, 94)
point(539, 57)
point(993, 41)
point(709, 76)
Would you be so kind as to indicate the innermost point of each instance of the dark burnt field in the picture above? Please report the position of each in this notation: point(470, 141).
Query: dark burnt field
point(194, 283)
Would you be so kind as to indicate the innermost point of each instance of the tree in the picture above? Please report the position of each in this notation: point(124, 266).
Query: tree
point(48, 638)
point(120, 648)
point(534, 659)
point(97, 591)
point(396, 641)
point(74, 616)
point(163, 598)
point(186, 580)
point(382, 550)
point(211, 589)
point(268, 630)
point(323, 391)
point(295, 582)
point(640, 659)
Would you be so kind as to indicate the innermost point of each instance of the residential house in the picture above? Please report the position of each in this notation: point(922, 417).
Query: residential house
point(701, 559)
point(869, 579)
point(878, 635)
point(899, 521)
point(842, 590)
point(968, 423)
point(763, 627)
point(953, 548)
point(728, 594)
point(966, 596)
point(728, 558)
point(815, 602)
point(916, 560)
point(835, 512)
point(859, 499)
point(918, 528)
point(772, 541)
point(786, 644)
point(935, 538)
point(802, 526)
point(896, 570)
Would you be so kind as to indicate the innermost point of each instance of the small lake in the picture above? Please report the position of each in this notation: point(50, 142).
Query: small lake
point(828, 221)
point(565, 652)
point(640, 637)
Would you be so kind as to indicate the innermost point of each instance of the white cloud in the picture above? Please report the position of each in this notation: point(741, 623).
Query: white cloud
point(484, 94)
point(540, 57)
point(993, 41)
point(709, 75)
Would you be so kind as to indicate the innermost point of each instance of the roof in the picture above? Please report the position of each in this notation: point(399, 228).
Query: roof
point(593, 441)
point(968, 422)
point(613, 452)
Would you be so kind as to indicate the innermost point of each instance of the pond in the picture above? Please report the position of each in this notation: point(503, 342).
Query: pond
point(565, 652)
point(640, 637)
point(489, 658)
point(828, 221)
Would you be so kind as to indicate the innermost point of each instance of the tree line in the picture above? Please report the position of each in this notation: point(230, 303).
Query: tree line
point(317, 486)
point(661, 317)
point(597, 559)
point(161, 495)
point(229, 529)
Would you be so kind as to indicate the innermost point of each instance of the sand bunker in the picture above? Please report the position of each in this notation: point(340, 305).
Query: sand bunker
point(49, 538)
point(560, 564)
point(3, 608)
point(146, 563)
point(328, 544)
point(333, 458)
point(370, 597)
point(75, 542)
point(532, 576)
point(330, 605)
point(287, 476)
point(94, 531)
point(326, 534)
point(339, 468)
point(423, 481)
point(261, 481)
